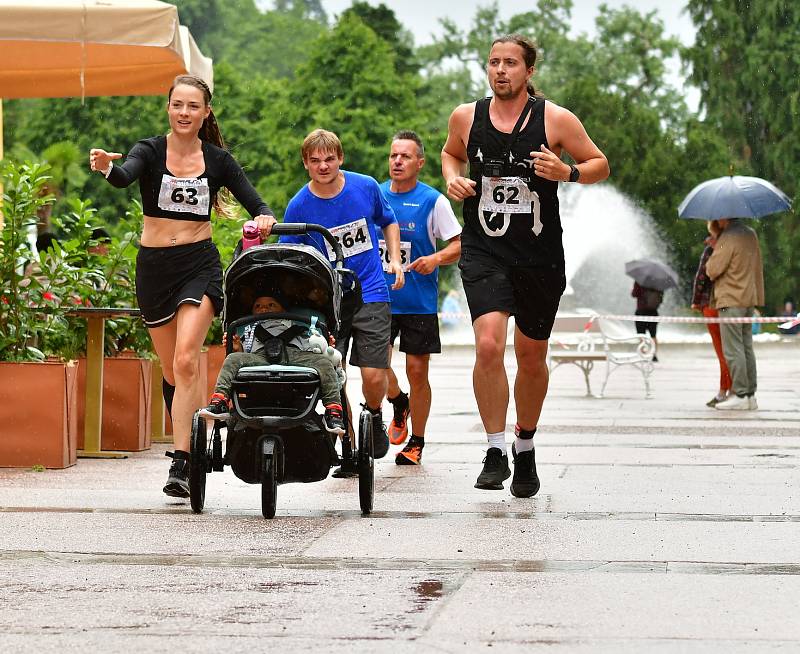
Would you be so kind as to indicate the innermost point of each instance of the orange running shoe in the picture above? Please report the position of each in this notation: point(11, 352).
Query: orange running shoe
point(411, 454)
point(398, 427)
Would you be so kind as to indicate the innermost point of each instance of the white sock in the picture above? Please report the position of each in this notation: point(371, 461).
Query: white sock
point(497, 440)
point(523, 444)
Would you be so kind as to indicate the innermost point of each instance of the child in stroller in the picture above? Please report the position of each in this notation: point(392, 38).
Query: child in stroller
point(302, 349)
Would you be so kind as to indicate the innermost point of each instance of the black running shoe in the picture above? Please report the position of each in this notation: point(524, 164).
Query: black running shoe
point(178, 481)
point(495, 470)
point(525, 482)
point(380, 439)
point(348, 469)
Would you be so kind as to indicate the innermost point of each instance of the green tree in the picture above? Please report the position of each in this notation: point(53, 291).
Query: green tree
point(336, 90)
point(384, 23)
point(745, 59)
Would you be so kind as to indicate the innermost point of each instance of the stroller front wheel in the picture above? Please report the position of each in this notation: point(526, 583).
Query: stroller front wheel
point(198, 457)
point(269, 480)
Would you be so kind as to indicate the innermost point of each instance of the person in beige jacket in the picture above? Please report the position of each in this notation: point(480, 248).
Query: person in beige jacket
point(737, 272)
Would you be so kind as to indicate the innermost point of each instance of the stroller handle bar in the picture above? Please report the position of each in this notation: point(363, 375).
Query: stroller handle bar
point(305, 228)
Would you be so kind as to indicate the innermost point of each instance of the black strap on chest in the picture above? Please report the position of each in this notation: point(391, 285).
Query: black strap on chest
point(512, 138)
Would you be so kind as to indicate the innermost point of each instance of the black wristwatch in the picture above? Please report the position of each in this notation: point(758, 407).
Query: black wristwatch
point(574, 173)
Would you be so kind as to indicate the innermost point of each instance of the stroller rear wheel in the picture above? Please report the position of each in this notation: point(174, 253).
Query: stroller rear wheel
point(269, 480)
point(198, 456)
point(366, 462)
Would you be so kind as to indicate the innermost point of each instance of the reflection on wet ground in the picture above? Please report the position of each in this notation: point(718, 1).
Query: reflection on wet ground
point(425, 591)
point(417, 515)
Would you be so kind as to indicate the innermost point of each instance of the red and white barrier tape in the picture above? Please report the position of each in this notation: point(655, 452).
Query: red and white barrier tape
point(698, 320)
point(792, 322)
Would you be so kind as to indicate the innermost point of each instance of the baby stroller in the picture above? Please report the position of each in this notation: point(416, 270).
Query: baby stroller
point(274, 434)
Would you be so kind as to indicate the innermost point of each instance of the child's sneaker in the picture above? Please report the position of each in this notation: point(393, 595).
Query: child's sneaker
point(217, 408)
point(334, 421)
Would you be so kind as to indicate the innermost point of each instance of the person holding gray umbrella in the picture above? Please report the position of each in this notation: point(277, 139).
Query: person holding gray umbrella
point(736, 269)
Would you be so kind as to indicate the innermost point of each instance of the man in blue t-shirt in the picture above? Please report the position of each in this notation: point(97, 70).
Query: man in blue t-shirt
point(424, 215)
point(352, 207)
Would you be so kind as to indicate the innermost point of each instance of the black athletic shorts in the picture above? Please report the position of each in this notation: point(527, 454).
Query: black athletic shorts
point(529, 293)
point(419, 332)
point(368, 327)
point(643, 326)
point(170, 276)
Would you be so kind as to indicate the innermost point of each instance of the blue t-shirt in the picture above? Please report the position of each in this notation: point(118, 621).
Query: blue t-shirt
point(423, 215)
point(352, 217)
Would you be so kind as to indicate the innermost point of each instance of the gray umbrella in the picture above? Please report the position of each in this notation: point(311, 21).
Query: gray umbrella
point(652, 274)
point(733, 196)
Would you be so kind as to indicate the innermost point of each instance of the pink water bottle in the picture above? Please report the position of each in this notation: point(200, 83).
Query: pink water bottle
point(251, 235)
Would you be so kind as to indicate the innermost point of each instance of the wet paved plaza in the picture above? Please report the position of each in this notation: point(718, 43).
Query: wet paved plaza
point(661, 526)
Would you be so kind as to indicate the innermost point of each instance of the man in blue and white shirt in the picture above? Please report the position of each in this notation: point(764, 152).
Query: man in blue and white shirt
point(424, 215)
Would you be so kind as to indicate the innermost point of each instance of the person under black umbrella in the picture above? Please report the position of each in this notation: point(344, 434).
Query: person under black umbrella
point(647, 302)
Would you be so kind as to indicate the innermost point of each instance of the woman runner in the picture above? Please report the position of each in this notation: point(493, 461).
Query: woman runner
point(178, 270)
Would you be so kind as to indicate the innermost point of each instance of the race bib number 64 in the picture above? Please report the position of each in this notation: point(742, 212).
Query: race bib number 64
point(353, 237)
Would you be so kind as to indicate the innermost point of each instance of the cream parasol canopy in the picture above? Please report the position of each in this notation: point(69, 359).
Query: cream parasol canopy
point(72, 48)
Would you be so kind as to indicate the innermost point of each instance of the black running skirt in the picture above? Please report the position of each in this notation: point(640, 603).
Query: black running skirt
point(170, 276)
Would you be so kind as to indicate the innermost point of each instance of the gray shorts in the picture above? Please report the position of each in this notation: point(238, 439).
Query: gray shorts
point(369, 328)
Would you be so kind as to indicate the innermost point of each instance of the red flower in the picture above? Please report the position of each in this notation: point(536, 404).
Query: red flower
point(47, 295)
point(3, 299)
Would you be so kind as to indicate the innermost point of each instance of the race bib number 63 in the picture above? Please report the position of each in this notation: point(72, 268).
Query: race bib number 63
point(184, 194)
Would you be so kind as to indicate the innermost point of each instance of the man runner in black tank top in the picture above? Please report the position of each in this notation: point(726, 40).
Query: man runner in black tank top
point(502, 159)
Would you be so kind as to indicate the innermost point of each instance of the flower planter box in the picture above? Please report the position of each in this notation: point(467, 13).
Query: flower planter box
point(43, 429)
point(126, 399)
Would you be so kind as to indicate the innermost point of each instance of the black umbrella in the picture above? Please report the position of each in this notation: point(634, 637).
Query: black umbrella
point(652, 274)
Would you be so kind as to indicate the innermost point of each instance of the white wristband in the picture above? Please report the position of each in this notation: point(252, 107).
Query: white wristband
point(107, 171)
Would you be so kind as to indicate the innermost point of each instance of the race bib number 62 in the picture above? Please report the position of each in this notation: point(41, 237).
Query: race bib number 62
point(505, 195)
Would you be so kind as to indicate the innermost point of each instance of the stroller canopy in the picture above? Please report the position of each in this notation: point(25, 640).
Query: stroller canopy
point(298, 276)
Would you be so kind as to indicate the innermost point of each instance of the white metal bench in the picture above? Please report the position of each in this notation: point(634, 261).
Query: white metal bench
point(613, 343)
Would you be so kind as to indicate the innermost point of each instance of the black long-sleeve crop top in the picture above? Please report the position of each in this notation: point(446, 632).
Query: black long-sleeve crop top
point(180, 198)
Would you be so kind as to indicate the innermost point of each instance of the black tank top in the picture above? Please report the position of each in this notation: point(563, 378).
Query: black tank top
point(531, 238)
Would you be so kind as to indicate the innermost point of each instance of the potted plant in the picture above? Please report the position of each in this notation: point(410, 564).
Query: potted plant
point(37, 340)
